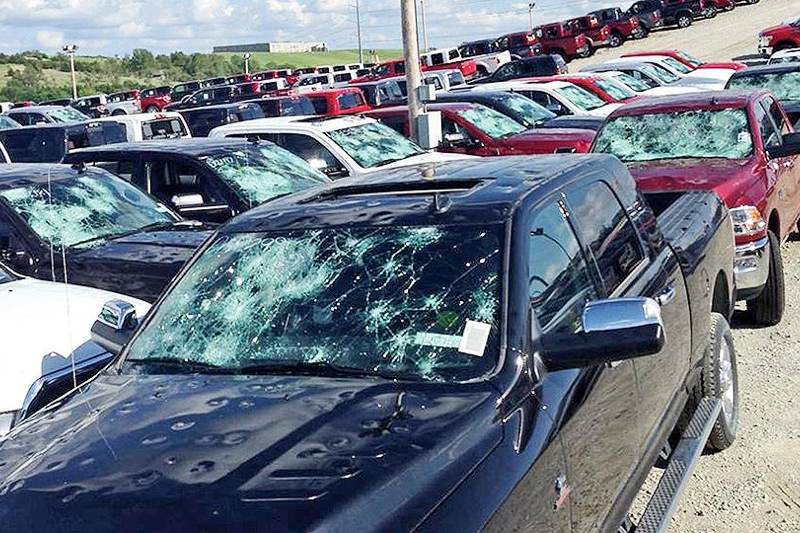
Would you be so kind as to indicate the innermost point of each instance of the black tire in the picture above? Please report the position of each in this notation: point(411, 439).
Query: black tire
point(719, 379)
point(684, 20)
point(767, 309)
point(482, 72)
point(589, 52)
point(615, 40)
point(645, 32)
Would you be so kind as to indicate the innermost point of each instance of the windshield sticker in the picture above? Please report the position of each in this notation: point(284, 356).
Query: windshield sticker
point(476, 335)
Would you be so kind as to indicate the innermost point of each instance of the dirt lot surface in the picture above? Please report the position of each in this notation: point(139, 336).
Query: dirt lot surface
point(755, 485)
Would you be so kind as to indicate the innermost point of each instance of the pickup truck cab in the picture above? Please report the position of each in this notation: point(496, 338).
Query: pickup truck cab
point(558, 39)
point(450, 58)
point(381, 93)
point(477, 130)
point(682, 13)
point(182, 90)
point(650, 73)
point(782, 80)
point(340, 147)
point(500, 397)
point(641, 86)
point(210, 180)
point(520, 108)
point(218, 94)
point(597, 33)
point(341, 101)
point(316, 82)
point(486, 57)
point(649, 14)
point(202, 120)
point(623, 26)
point(124, 103)
point(748, 155)
point(530, 67)
point(155, 99)
point(151, 126)
point(46, 332)
point(559, 97)
point(780, 37)
point(112, 235)
point(520, 44)
point(95, 106)
point(52, 142)
point(46, 114)
point(284, 106)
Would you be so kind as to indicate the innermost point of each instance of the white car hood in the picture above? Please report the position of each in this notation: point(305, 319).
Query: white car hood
point(605, 110)
point(669, 90)
point(711, 79)
point(34, 323)
point(428, 157)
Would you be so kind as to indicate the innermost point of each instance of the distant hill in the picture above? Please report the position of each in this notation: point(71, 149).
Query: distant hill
point(311, 59)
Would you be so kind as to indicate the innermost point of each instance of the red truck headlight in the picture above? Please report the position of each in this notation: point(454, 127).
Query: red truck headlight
point(748, 224)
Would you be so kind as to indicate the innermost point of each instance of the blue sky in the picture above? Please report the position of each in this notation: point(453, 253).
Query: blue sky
point(118, 26)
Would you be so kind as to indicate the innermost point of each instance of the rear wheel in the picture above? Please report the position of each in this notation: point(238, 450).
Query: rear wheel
point(767, 308)
point(684, 20)
point(587, 52)
point(615, 40)
point(711, 12)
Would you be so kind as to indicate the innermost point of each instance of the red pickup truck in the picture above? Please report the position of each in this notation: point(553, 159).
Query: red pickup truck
point(343, 101)
point(397, 67)
point(780, 37)
point(741, 146)
point(597, 33)
point(623, 26)
point(155, 99)
point(556, 38)
point(477, 130)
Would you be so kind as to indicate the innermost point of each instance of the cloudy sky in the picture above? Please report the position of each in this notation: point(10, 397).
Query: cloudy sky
point(117, 26)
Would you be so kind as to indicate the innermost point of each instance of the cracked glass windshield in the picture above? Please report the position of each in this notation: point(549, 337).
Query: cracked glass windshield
point(373, 145)
point(84, 208)
point(419, 302)
point(699, 134)
point(784, 85)
point(262, 172)
point(529, 112)
point(490, 122)
point(582, 98)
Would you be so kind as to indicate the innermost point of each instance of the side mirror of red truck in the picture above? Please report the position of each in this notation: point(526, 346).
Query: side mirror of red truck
point(789, 147)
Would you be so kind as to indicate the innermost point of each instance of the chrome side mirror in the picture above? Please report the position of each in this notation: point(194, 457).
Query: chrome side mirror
point(621, 313)
point(115, 325)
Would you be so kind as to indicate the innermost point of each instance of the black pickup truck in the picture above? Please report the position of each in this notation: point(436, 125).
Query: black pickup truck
point(502, 344)
point(680, 13)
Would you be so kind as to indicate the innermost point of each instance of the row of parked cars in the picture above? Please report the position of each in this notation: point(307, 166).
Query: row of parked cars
point(312, 322)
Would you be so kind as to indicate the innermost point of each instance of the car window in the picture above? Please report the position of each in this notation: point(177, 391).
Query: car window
point(492, 123)
point(396, 122)
point(5, 277)
point(165, 128)
point(559, 280)
point(785, 86)
point(580, 97)
point(309, 149)
point(123, 169)
point(350, 100)
point(769, 133)
point(373, 145)
point(604, 226)
point(548, 102)
point(642, 78)
point(777, 115)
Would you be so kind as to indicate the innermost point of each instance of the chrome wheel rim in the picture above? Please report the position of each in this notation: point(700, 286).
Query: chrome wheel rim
point(726, 385)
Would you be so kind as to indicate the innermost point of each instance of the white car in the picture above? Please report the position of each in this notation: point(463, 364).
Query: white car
point(559, 97)
point(152, 126)
point(711, 79)
point(639, 87)
point(791, 55)
point(347, 146)
point(44, 327)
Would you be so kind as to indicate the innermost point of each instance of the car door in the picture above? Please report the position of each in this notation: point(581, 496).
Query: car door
point(595, 407)
point(630, 267)
point(548, 101)
point(778, 172)
point(789, 167)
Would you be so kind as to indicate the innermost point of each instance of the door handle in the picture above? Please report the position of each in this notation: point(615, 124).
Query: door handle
point(667, 295)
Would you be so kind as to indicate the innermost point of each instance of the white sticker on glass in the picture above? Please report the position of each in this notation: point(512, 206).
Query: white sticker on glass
point(475, 337)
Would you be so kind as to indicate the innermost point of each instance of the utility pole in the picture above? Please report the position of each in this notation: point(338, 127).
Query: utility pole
point(424, 25)
point(70, 50)
point(358, 31)
point(408, 15)
point(247, 56)
point(531, 5)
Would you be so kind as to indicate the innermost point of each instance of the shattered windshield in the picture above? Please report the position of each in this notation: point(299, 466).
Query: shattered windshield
point(689, 58)
point(261, 172)
point(784, 85)
point(688, 134)
point(660, 73)
point(490, 122)
point(418, 301)
point(633, 83)
point(616, 91)
point(676, 65)
point(582, 98)
point(83, 208)
point(526, 110)
point(67, 115)
point(373, 144)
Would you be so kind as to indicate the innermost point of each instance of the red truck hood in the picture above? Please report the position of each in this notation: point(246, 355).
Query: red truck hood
point(728, 65)
point(549, 140)
point(730, 179)
point(773, 29)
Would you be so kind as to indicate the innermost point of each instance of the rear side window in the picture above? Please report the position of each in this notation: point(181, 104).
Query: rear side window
point(605, 228)
point(350, 101)
point(163, 129)
point(39, 145)
point(320, 105)
point(123, 169)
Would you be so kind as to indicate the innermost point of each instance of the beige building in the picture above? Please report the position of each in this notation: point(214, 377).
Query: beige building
point(280, 47)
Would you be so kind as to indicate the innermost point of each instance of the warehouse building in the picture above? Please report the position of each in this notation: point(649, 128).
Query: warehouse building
point(281, 47)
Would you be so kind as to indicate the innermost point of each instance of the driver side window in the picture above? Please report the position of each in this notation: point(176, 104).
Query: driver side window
point(309, 149)
point(770, 135)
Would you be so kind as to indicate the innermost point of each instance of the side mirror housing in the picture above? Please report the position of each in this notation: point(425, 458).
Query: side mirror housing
point(613, 330)
point(115, 325)
point(789, 147)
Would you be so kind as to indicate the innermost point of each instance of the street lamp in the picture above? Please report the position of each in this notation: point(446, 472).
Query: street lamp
point(70, 50)
point(531, 5)
point(247, 56)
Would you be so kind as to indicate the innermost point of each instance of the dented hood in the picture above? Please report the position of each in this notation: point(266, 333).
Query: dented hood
point(283, 453)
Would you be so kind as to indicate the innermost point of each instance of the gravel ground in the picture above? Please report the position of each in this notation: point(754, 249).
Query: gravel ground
point(755, 485)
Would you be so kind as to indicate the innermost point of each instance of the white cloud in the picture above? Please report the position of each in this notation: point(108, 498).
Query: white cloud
point(50, 40)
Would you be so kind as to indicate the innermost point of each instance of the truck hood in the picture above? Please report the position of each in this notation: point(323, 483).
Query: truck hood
point(729, 178)
point(548, 140)
point(43, 323)
point(141, 264)
point(199, 453)
point(427, 157)
point(776, 28)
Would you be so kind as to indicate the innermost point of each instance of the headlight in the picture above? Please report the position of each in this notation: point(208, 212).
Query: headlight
point(7, 420)
point(748, 224)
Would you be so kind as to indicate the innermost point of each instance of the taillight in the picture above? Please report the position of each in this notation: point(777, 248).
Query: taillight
point(748, 224)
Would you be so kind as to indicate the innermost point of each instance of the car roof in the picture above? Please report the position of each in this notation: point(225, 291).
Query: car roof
point(467, 192)
point(690, 101)
point(40, 108)
point(16, 174)
point(776, 68)
point(196, 146)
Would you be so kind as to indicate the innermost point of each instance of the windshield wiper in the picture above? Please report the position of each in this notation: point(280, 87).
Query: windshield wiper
point(121, 234)
point(194, 366)
point(320, 368)
point(396, 159)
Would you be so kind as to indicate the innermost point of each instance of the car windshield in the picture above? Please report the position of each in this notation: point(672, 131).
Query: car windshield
point(582, 98)
point(84, 208)
point(67, 115)
point(660, 73)
point(689, 58)
point(616, 91)
point(420, 302)
point(8, 122)
point(373, 144)
point(677, 65)
point(687, 134)
point(526, 111)
point(631, 82)
point(490, 122)
point(784, 85)
point(261, 172)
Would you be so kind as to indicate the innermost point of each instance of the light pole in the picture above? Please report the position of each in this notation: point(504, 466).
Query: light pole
point(70, 50)
point(424, 21)
point(408, 14)
point(358, 32)
point(531, 5)
point(247, 56)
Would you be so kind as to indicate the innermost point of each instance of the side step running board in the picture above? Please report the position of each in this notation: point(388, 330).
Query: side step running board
point(659, 511)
